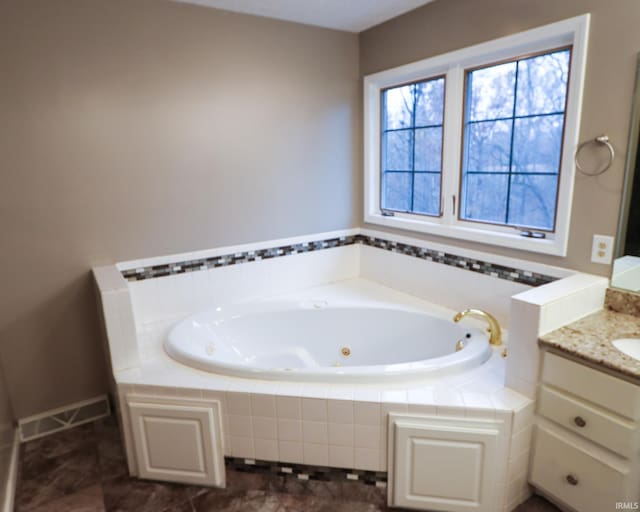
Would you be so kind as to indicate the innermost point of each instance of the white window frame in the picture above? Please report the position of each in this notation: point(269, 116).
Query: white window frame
point(572, 32)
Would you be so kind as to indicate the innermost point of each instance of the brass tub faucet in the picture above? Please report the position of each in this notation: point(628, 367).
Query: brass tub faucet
point(494, 330)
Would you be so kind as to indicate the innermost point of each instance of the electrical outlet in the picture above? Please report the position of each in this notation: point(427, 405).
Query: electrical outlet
point(602, 249)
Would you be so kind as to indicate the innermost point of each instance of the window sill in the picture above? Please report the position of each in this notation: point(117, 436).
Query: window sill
point(553, 246)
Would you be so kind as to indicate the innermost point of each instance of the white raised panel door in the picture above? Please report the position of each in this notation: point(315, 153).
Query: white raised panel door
point(178, 442)
point(450, 465)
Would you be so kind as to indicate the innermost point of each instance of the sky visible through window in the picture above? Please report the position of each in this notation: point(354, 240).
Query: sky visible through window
point(412, 119)
point(513, 128)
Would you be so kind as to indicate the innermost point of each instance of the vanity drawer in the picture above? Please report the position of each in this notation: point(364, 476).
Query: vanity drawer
point(596, 424)
point(575, 477)
point(612, 393)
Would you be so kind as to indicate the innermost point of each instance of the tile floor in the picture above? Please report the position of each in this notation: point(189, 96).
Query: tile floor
point(83, 470)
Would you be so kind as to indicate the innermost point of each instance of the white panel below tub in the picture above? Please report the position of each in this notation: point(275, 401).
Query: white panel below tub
point(452, 465)
point(441, 284)
point(178, 442)
point(178, 295)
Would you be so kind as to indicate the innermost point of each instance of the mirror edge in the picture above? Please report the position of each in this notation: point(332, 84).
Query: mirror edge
point(629, 168)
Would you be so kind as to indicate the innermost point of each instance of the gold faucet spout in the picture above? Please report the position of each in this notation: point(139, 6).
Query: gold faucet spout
point(495, 333)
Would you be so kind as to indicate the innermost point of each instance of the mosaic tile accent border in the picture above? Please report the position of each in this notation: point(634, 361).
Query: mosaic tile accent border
point(225, 260)
point(473, 265)
point(307, 472)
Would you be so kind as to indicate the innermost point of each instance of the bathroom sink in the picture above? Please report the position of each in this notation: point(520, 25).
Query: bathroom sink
point(630, 346)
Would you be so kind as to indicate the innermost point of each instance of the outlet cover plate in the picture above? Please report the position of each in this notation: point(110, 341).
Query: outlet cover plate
point(602, 249)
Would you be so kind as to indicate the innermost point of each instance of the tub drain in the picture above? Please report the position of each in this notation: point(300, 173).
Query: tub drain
point(345, 351)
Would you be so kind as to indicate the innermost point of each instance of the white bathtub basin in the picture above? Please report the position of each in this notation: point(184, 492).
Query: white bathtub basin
point(315, 341)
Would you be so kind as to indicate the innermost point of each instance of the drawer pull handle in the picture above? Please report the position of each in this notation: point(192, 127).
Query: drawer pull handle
point(572, 480)
point(578, 420)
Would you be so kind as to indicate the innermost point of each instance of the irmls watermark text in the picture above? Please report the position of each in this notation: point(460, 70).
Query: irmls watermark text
point(627, 505)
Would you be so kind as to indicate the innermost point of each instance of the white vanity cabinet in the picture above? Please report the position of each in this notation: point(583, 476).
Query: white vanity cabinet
point(446, 464)
point(177, 440)
point(586, 451)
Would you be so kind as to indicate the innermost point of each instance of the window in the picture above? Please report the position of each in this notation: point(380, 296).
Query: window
point(478, 144)
point(513, 128)
point(413, 116)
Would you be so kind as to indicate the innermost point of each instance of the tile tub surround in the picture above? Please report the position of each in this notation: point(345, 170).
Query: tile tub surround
point(338, 426)
point(341, 426)
point(133, 308)
point(538, 311)
point(314, 423)
point(107, 488)
point(590, 338)
point(309, 423)
point(446, 258)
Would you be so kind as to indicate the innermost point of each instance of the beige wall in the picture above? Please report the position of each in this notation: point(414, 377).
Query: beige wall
point(135, 128)
point(447, 25)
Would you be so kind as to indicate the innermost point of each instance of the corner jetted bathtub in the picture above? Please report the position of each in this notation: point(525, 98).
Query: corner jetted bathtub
point(313, 340)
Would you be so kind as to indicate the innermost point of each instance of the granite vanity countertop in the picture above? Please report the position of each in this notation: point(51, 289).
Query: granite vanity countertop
point(590, 339)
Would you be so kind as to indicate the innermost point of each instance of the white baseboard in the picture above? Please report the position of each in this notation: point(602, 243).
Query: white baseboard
point(12, 477)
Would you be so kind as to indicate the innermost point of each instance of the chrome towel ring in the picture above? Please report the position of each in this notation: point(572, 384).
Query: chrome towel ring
point(600, 139)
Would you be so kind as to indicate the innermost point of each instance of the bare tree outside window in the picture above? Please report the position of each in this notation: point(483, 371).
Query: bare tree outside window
point(513, 130)
point(412, 120)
